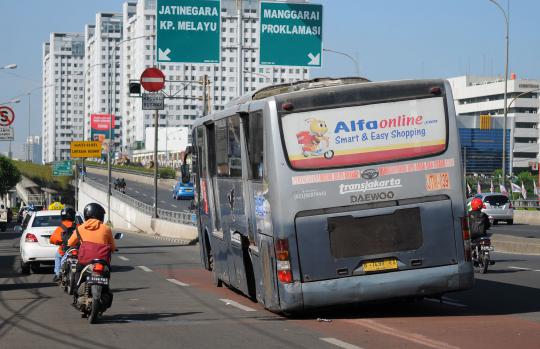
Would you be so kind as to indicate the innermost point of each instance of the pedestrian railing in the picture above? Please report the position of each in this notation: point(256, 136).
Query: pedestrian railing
point(182, 217)
point(526, 204)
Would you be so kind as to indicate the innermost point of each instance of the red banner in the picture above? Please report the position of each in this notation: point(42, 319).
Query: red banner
point(101, 122)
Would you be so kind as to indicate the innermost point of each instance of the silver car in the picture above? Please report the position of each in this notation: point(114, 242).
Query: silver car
point(498, 207)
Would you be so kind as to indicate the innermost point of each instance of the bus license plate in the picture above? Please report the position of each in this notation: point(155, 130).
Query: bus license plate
point(380, 265)
point(96, 280)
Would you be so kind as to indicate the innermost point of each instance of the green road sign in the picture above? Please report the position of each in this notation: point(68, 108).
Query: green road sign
point(291, 34)
point(188, 31)
point(62, 168)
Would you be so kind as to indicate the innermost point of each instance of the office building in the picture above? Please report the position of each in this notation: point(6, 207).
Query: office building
point(32, 149)
point(138, 53)
point(102, 71)
point(63, 107)
point(479, 103)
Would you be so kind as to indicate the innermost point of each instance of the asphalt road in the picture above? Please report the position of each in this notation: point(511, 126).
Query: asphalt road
point(162, 298)
point(522, 230)
point(145, 193)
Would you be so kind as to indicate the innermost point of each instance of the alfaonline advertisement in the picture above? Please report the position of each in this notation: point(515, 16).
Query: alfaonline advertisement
point(366, 134)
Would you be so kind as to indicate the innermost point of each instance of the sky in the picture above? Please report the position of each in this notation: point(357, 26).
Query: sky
point(390, 39)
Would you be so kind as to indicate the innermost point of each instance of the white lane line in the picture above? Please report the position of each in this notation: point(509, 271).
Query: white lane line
point(143, 194)
point(146, 269)
point(179, 283)
point(237, 305)
point(339, 343)
point(137, 191)
point(173, 205)
point(519, 268)
point(163, 202)
point(123, 258)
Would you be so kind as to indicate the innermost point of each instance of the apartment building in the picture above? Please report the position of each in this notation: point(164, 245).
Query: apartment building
point(63, 101)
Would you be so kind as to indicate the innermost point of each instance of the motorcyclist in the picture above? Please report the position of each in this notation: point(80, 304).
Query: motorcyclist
point(95, 238)
point(61, 236)
point(478, 220)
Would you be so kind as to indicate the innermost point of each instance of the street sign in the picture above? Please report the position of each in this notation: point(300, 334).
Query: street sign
point(6, 133)
point(7, 116)
point(291, 34)
point(153, 101)
point(188, 31)
point(62, 168)
point(152, 79)
point(85, 149)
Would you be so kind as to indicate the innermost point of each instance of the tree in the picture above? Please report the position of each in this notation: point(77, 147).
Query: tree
point(9, 175)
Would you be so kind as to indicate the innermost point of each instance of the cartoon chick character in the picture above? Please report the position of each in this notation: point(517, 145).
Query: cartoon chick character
point(311, 140)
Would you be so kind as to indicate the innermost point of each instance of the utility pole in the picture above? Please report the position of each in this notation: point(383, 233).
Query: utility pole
point(240, 38)
point(205, 96)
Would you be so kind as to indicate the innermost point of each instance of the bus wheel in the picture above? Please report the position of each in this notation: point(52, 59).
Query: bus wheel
point(217, 281)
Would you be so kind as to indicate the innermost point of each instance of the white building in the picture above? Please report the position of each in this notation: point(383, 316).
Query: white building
point(63, 107)
point(32, 149)
point(102, 51)
point(480, 95)
point(138, 53)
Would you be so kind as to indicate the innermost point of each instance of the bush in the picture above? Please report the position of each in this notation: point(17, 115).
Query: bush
point(167, 173)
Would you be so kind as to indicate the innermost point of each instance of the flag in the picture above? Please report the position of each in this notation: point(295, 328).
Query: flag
point(503, 189)
point(515, 188)
point(478, 188)
point(469, 190)
point(491, 189)
point(523, 191)
point(535, 191)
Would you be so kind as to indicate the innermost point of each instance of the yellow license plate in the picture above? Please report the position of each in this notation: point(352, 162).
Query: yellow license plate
point(380, 265)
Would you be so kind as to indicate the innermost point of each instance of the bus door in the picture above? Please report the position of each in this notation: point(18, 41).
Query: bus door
point(200, 182)
point(230, 187)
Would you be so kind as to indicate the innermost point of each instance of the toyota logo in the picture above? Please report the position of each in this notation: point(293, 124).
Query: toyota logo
point(370, 173)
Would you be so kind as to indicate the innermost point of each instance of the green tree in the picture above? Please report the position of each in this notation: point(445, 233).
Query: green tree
point(9, 175)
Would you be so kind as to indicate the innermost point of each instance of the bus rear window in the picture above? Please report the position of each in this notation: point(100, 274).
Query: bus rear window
point(367, 134)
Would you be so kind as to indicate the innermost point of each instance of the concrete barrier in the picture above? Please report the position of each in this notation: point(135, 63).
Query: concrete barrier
point(127, 218)
point(527, 217)
point(162, 183)
point(515, 244)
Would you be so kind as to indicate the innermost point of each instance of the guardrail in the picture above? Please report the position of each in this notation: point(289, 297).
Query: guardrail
point(182, 217)
point(526, 204)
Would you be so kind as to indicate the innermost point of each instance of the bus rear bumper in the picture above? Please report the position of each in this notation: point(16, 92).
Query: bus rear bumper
point(402, 284)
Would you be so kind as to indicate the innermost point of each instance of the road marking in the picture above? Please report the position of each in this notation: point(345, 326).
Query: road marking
point(179, 283)
point(173, 205)
point(137, 191)
point(146, 269)
point(237, 305)
point(519, 268)
point(392, 331)
point(123, 258)
point(339, 343)
point(143, 194)
point(163, 202)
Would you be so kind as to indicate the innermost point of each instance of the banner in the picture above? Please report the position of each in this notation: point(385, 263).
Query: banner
point(469, 190)
point(100, 125)
point(523, 191)
point(491, 188)
point(535, 189)
point(478, 188)
point(503, 189)
point(515, 188)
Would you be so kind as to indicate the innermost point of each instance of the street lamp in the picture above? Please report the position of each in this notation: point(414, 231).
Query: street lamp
point(346, 55)
point(505, 88)
point(9, 66)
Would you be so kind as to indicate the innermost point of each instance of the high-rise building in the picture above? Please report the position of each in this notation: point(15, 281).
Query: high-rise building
point(183, 79)
point(102, 72)
point(32, 149)
point(479, 103)
point(63, 107)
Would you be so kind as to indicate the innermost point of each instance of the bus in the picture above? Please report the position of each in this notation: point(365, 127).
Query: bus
point(333, 191)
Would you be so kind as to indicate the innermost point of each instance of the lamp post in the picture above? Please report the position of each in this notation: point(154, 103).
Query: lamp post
point(505, 88)
point(12, 101)
point(348, 56)
point(9, 66)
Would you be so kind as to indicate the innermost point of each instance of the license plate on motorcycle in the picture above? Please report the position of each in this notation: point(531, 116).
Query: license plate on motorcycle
point(487, 248)
point(380, 265)
point(97, 280)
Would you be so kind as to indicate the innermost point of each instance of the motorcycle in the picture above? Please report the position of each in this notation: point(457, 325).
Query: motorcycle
point(480, 254)
point(93, 296)
point(68, 271)
point(120, 185)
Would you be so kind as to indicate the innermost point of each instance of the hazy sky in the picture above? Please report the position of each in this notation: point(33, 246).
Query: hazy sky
point(391, 39)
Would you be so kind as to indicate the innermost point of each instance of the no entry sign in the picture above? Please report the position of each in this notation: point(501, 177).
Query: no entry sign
point(152, 79)
point(7, 116)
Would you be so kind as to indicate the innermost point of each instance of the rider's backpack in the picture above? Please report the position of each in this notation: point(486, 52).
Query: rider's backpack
point(66, 234)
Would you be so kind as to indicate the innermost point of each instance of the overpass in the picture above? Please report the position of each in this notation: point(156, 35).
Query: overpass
point(29, 192)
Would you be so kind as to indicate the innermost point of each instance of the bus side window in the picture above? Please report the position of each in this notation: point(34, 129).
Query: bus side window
point(221, 149)
point(255, 138)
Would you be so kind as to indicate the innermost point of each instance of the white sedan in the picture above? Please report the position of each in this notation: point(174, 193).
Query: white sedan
point(35, 247)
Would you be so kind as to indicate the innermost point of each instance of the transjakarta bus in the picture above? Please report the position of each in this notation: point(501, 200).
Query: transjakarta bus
point(333, 191)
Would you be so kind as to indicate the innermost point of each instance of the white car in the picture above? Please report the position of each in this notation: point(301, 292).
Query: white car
point(35, 247)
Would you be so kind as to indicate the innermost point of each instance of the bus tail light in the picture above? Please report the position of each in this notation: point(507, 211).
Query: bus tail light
point(466, 238)
point(283, 262)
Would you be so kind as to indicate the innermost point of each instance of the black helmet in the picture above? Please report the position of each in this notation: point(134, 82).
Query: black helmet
point(94, 210)
point(68, 214)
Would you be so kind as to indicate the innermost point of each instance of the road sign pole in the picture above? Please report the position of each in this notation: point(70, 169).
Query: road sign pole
point(76, 187)
point(156, 119)
point(239, 38)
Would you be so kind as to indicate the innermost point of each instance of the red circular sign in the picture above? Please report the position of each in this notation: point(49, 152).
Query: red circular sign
point(152, 79)
point(7, 116)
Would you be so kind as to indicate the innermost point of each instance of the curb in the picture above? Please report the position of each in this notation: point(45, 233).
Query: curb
point(183, 242)
point(515, 244)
